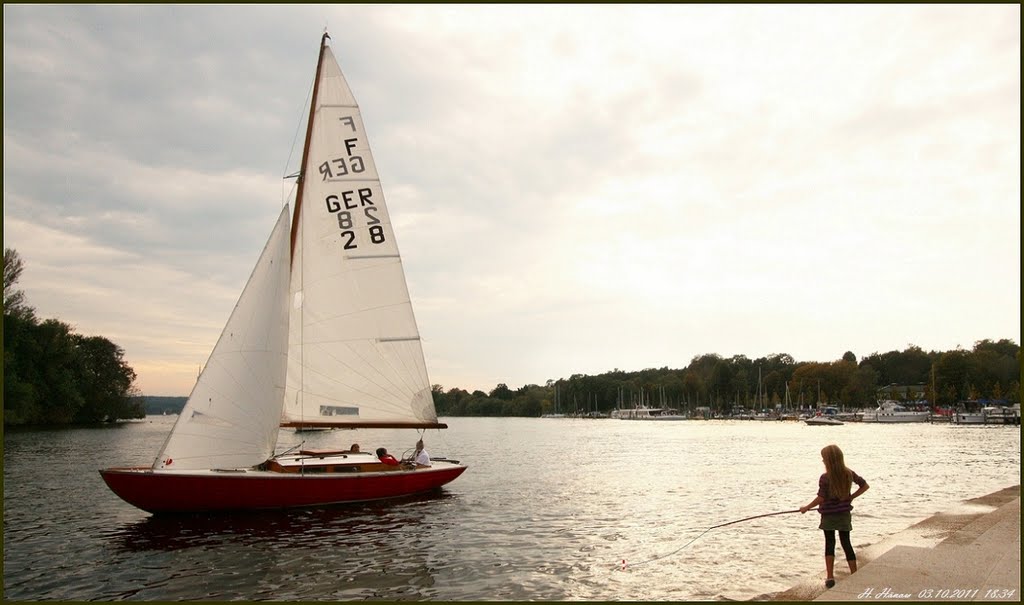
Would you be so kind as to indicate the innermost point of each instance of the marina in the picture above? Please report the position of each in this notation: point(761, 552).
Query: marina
point(888, 412)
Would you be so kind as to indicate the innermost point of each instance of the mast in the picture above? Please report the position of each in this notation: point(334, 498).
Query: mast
point(301, 181)
point(305, 146)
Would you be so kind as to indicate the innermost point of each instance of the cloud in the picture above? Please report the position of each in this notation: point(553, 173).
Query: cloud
point(575, 188)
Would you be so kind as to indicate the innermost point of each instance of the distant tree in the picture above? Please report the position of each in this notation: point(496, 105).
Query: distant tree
point(106, 382)
point(721, 377)
point(449, 403)
point(21, 371)
point(484, 406)
point(60, 368)
point(952, 372)
point(528, 402)
point(693, 387)
point(53, 375)
point(824, 382)
point(849, 356)
point(1003, 347)
point(862, 387)
point(994, 364)
point(911, 366)
point(14, 299)
point(502, 391)
point(159, 404)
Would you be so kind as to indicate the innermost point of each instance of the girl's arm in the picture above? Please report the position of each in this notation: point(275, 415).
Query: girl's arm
point(817, 500)
point(861, 488)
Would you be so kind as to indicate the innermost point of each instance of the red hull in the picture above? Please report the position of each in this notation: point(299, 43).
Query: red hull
point(165, 492)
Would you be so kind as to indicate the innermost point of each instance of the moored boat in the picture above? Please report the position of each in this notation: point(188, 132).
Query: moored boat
point(989, 415)
point(823, 421)
point(647, 413)
point(892, 412)
point(828, 416)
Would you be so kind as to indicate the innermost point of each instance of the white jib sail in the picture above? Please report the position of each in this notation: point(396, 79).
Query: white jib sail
point(354, 353)
point(232, 417)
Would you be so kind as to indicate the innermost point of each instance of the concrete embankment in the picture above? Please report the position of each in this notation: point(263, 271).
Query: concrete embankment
point(968, 553)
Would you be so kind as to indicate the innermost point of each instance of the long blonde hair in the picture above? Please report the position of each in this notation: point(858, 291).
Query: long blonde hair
point(840, 478)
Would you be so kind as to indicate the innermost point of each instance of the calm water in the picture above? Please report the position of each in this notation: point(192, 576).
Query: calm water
point(547, 511)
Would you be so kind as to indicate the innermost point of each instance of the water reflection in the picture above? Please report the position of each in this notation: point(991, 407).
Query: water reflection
point(345, 552)
point(352, 525)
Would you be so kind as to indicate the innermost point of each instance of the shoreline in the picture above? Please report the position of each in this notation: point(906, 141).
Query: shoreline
point(941, 528)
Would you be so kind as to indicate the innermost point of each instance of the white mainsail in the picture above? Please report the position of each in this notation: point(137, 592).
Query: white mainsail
point(231, 418)
point(354, 354)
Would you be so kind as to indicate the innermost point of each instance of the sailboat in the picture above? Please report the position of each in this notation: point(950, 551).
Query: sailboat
point(642, 409)
point(556, 414)
point(323, 335)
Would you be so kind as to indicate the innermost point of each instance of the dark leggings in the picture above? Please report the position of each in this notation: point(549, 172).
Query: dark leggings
point(844, 540)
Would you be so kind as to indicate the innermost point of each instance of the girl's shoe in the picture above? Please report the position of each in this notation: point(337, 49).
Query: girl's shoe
point(830, 582)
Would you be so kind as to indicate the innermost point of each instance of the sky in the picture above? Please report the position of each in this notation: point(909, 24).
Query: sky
point(574, 188)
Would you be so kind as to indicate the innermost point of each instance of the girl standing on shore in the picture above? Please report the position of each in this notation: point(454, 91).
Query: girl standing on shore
point(834, 502)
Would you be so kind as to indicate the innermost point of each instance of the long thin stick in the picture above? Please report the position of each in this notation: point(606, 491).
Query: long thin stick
point(785, 512)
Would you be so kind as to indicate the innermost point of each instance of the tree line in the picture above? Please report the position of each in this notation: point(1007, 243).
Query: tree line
point(158, 405)
point(957, 378)
point(53, 375)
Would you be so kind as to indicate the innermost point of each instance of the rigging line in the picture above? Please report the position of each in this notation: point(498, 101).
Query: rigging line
point(295, 138)
point(397, 387)
point(356, 371)
point(354, 312)
point(785, 512)
point(405, 377)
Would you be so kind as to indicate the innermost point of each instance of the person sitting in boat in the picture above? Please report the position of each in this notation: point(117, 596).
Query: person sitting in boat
point(353, 449)
point(421, 457)
point(386, 458)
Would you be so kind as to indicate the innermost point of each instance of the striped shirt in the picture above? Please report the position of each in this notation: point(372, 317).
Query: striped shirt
point(831, 505)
